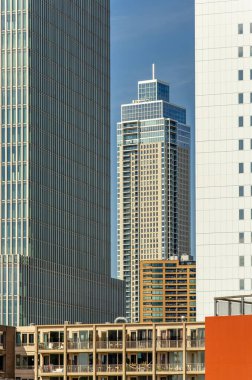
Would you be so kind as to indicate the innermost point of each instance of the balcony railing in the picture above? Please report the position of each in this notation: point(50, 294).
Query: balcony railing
point(195, 367)
point(80, 345)
point(139, 344)
point(79, 368)
point(51, 346)
point(139, 367)
point(171, 367)
point(51, 368)
point(20, 344)
point(195, 343)
point(169, 343)
point(109, 368)
point(109, 344)
point(24, 366)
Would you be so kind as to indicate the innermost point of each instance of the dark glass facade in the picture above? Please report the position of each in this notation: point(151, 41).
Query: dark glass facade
point(56, 171)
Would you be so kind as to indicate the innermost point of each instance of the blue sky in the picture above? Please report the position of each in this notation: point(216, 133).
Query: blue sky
point(145, 32)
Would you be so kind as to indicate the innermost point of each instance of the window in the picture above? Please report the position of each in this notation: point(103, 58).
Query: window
point(250, 74)
point(240, 74)
point(251, 97)
point(241, 237)
point(251, 167)
point(241, 284)
point(240, 98)
point(240, 51)
point(251, 27)
point(241, 191)
point(241, 214)
point(240, 28)
point(240, 121)
point(241, 261)
point(241, 167)
point(251, 121)
point(250, 51)
point(240, 144)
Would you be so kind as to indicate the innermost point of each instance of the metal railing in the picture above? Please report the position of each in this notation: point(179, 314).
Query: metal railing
point(51, 346)
point(24, 366)
point(195, 367)
point(79, 368)
point(177, 343)
point(109, 368)
point(52, 368)
point(169, 367)
point(80, 345)
point(109, 344)
point(195, 343)
point(139, 344)
point(139, 367)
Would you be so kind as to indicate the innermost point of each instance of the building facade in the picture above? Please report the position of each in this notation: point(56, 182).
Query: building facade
point(7, 352)
point(153, 144)
point(55, 164)
point(174, 351)
point(223, 150)
point(168, 290)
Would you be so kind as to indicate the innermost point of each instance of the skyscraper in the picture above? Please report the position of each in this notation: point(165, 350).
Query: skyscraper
point(223, 150)
point(153, 184)
point(55, 170)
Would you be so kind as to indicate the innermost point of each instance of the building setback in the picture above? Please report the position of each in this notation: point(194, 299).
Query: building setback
point(55, 167)
point(223, 150)
point(168, 290)
point(153, 144)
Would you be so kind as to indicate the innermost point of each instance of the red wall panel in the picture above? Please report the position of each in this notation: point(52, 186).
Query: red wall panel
point(229, 348)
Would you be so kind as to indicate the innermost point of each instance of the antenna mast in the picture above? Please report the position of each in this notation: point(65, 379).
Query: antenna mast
point(153, 71)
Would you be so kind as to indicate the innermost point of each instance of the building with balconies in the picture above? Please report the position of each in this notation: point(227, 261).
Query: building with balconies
point(174, 351)
point(168, 290)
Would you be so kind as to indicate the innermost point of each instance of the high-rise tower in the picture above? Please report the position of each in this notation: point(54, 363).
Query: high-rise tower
point(55, 169)
point(223, 150)
point(153, 184)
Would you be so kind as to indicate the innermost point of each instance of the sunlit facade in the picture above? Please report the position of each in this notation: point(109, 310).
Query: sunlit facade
point(153, 219)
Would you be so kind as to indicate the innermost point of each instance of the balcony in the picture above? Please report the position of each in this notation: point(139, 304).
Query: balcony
point(169, 367)
point(177, 343)
point(80, 368)
point(195, 343)
point(80, 345)
point(139, 367)
point(195, 367)
point(25, 366)
point(51, 346)
point(109, 345)
point(139, 344)
point(51, 368)
point(110, 368)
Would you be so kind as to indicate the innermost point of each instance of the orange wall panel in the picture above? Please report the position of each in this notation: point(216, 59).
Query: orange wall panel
point(229, 348)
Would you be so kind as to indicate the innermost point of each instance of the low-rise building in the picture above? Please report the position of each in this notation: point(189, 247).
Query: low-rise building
point(116, 351)
point(168, 290)
point(7, 352)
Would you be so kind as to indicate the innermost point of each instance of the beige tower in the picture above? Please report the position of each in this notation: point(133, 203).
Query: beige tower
point(153, 184)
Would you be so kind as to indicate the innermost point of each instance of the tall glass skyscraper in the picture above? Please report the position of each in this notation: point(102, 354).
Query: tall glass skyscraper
point(153, 185)
point(55, 169)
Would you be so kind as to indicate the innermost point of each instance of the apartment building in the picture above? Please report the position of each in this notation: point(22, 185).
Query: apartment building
point(173, 351)
point(153, 144)
point(168, 290)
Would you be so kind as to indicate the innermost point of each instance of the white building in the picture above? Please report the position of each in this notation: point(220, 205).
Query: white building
point(223, 150)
